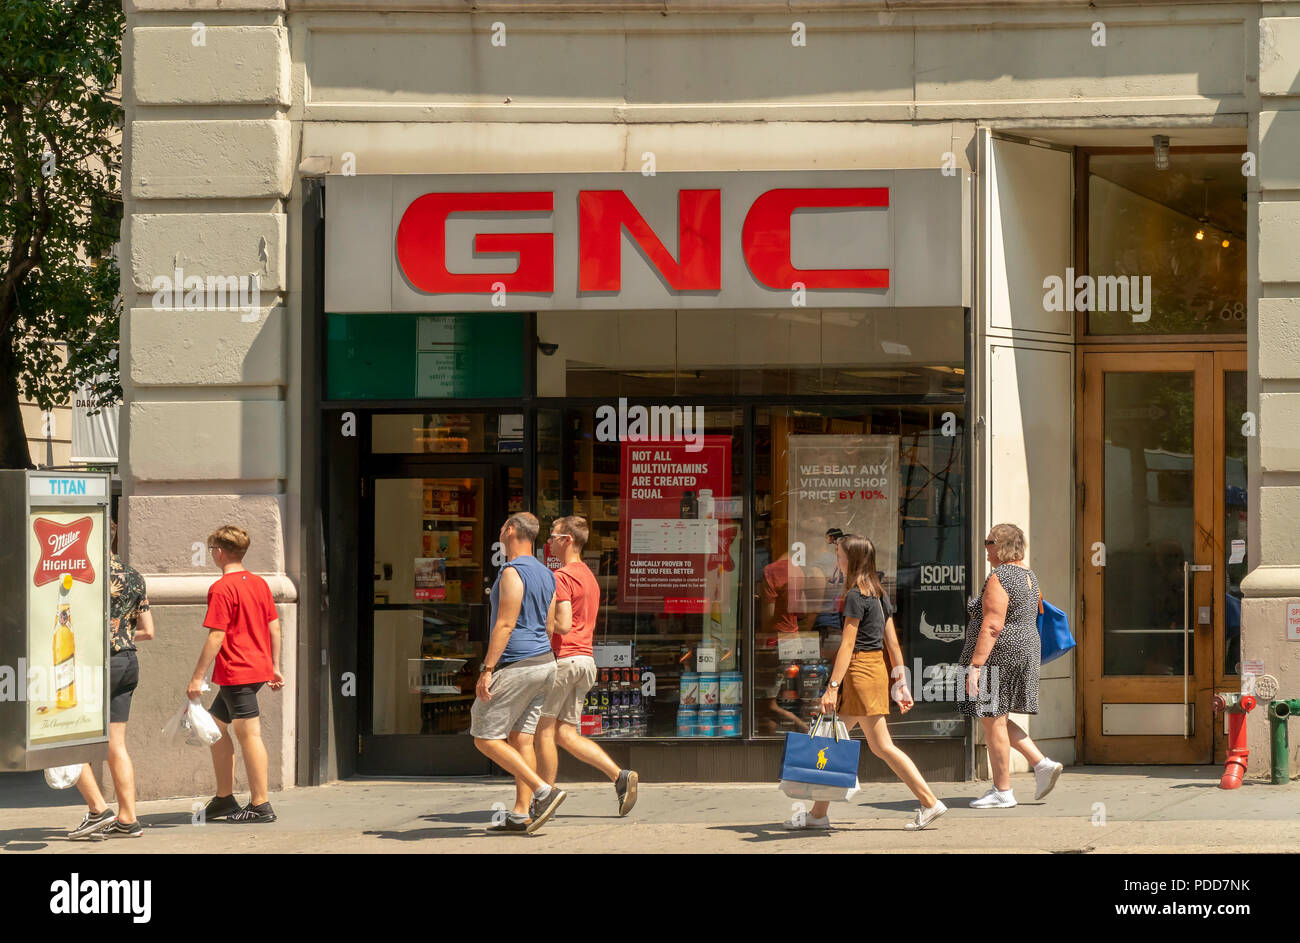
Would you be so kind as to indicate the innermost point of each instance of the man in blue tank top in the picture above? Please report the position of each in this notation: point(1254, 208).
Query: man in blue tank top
point(516, 675)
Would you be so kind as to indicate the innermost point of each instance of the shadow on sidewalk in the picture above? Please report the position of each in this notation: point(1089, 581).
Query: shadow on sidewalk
point(760, 833)
point(474, 817)
point(30, 839)
point(27, 790)
point(420, 834)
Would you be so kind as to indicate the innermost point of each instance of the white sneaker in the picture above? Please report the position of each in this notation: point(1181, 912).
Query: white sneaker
point(1046, 778)
point(994, 799)
point(925, 816)
point(805, 821)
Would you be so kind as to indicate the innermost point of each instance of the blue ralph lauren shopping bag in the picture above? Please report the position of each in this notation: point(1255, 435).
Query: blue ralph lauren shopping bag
point(1053, 631)
point(820, 761)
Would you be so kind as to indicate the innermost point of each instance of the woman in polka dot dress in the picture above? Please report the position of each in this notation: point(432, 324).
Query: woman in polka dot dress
point(1001, 657)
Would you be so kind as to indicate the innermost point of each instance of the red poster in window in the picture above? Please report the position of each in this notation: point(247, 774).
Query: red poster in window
point(677, 524)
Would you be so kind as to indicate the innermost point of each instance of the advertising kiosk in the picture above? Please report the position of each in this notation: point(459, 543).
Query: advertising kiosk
point(54, 580)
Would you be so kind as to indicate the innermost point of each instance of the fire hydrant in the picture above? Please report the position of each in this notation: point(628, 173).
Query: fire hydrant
point(1237, 706)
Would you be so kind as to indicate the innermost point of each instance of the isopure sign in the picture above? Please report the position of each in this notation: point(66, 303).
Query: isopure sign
point(628, 241)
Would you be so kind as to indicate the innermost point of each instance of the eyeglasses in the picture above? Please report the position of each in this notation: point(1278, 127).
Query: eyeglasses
point(990, 543)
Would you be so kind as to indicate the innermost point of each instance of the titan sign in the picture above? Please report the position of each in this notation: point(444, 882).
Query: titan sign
point(624, 241)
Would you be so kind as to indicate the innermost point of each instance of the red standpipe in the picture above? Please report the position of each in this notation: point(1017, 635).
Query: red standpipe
point(1237, 706)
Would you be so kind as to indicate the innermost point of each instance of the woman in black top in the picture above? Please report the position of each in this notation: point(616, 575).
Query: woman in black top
point(861, 675)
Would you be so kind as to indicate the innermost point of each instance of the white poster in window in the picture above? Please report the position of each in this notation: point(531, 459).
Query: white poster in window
point(849, 482)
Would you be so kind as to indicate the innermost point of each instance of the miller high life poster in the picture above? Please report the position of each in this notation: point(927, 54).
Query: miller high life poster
point(66, 625)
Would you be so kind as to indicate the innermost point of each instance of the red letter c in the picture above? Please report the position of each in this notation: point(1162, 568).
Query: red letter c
point(765, 238)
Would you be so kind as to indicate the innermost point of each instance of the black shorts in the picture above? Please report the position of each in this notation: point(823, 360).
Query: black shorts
point(123, 676)
point(236, 700)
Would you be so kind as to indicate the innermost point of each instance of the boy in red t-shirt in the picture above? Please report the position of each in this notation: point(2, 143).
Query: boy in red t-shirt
point(577, 605)
point(244, 638)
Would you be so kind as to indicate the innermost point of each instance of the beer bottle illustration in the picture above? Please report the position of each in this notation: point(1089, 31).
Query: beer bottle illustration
point(65, 650)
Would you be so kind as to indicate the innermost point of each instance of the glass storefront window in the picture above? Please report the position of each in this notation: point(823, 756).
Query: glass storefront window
point(894, 474)
point(1182, 231)
point(878, 351)
point(446, 432)
point(666, 515)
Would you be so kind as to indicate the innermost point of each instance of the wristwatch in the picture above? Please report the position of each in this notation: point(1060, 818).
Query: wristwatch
point(835, 684)
point(485, 667)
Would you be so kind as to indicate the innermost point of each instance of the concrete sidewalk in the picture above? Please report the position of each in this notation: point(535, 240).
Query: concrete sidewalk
point(1093, 809)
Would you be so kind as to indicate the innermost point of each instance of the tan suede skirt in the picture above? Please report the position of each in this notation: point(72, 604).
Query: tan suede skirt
point(866, 687)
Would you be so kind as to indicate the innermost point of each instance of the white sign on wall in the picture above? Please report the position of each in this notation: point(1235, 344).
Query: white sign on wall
point(1293, 622)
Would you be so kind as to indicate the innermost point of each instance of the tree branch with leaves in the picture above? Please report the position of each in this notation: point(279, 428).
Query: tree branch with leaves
point(60, 207)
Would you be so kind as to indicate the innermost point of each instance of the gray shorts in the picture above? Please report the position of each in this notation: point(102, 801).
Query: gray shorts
point(518, 691)
point(574, 677)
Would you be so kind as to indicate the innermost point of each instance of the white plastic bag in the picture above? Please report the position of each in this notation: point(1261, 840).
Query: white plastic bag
point(192, 725)
point(821, 793)
point(61, 777)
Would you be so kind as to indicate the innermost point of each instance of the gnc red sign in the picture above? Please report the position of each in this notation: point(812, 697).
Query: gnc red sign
point(603, 216)
point(626, 241)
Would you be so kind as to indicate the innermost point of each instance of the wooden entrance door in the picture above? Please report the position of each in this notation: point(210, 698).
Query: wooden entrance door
point(1161, 452)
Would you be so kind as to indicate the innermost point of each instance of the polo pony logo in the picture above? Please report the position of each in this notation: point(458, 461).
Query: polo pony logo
point(821, 758)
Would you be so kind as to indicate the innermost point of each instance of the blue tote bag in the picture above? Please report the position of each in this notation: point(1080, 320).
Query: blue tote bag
point(821, 761)
point(1053, 631)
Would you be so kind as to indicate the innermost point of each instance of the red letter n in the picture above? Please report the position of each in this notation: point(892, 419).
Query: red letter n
point(602, 216)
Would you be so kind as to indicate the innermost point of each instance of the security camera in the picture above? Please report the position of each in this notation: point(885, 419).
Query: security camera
point(547, 349)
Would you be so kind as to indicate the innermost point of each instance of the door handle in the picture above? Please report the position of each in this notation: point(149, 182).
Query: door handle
point(1188, 570)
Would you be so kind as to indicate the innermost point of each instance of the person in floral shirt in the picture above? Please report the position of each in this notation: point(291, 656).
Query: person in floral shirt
point(128, 603)
point(129, 621)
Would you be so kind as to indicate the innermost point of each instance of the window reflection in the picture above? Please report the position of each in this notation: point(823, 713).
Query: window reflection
point(717, 353)
point(1149, 520)
point(895, 475)
point(666, 516)
point(1184, 228)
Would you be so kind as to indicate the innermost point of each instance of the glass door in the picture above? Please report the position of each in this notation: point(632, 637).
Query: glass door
point(432, 533)
point(1163, 493)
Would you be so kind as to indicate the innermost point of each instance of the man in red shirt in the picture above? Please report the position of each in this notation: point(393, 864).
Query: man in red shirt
point(244, 638)
point(577, 604)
